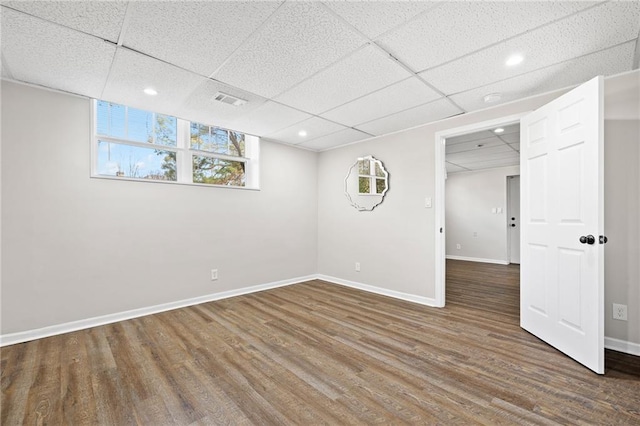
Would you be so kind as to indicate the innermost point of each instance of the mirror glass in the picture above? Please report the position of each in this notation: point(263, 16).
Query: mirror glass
point(366, 183)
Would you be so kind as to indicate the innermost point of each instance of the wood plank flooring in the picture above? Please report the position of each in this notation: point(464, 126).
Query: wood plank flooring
point(318, 353)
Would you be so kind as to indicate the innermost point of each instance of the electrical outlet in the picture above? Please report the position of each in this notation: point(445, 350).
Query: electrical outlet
point(458, 246)
point(214, 274)
point(357, 266)
point(619, 312)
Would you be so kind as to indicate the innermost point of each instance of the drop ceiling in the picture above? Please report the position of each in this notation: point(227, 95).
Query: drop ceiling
point(341, 71)
point(486, 149)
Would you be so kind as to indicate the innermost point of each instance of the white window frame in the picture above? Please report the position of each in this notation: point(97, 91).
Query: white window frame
point(184, 153)
point(372, 178)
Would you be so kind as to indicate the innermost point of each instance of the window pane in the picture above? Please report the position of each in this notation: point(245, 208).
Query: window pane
point(110, 119)
point(116, 159)
point(381, 185)
point(140, 125)
point(166, 130)
point(379, 171)
point(215, 139)
point(103, 118)
point(363, 167)
point(215, 171)
point(236, 144)
point(200, 137)
point(364, 185)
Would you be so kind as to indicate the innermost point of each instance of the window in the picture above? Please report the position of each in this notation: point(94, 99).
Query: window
point(133, 144)
point(372, 179)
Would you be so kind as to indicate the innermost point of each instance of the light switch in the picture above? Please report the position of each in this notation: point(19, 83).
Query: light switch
point(428, 203)
point(499, 210)
point(493, 210)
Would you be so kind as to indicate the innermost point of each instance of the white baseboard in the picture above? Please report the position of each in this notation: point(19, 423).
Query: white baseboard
point(477, 259)
point(25, 336)
point(383, 291)
point(622, 346)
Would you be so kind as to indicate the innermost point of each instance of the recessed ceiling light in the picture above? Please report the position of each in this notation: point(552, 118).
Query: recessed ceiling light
point(514, 60)
point(492, 97)
point(302, 133)
point(150, 91)
point(498, 130)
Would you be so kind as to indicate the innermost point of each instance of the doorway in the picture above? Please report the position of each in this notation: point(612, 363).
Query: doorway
point(488, 128)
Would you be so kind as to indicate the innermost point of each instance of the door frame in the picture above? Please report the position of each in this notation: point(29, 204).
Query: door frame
point(440, 178)
point(508, 208)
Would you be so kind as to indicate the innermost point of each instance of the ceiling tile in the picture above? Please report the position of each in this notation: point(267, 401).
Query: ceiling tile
point(268, 118)
point(132, 72)
point(515, 146)
point(100, 18)
point(592, 30)
point(49, 55)
point(608, 62)
point(511, 137)
point(363, 72)
point(301, 39)
point(455, 29)
point(452, 168)
point(397, 97)
point(490, 164)
point(342, 137)
point(422, 114)
point(198, 36)
point(473, 145)
point(315, 128)
point(470, 137)
point(201, 106)
point(376, 17)
point(481, 154)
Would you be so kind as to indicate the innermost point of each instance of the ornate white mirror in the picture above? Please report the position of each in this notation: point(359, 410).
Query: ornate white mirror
point(366, 183)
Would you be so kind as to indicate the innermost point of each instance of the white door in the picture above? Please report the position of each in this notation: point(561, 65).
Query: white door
point(513, 214)
point(562, 216)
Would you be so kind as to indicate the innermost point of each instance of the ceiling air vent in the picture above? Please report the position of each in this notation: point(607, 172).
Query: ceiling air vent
point(229, 99)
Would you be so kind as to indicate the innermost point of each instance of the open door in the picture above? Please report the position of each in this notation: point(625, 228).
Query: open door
point(562, 217)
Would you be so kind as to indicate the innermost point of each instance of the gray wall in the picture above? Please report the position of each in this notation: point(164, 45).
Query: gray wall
point(470, 198)
point(622, 226)
point(395, 243)
point(74, 247)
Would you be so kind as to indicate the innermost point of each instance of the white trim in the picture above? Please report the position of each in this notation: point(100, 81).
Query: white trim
point(622, 346)
point(377, 290)
point(478, 259)
point(440, 240)
point(25, 336)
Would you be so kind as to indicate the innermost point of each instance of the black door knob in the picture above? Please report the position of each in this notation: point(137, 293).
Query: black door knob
point(513, 225)
point(589, 239)
point(513, 218)
point(603, 239)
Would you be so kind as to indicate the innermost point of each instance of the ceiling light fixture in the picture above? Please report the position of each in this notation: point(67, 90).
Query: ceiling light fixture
point(514, 60)
point(150, 91)
point(498, 130)
point(492, 97)
point(302, 133)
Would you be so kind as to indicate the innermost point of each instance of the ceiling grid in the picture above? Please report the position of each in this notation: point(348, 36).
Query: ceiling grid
point(341, 71)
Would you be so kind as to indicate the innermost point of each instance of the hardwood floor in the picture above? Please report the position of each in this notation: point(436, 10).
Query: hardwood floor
point(317, 353)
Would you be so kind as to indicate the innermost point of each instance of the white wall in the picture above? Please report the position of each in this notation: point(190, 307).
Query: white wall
point(470, 198)
point(74, 247)
point(395, 243)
